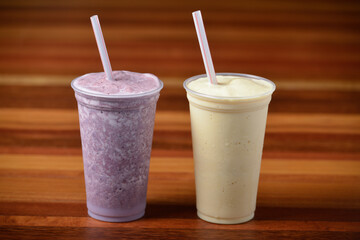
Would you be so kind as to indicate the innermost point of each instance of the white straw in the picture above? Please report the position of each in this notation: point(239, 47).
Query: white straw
point(101, 46)
point(204, 46)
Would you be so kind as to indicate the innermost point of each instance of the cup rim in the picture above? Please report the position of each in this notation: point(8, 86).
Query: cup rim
point(123, 96)
point(188, 90)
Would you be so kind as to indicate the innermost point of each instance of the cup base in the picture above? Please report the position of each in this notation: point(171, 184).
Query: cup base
point(224, 220)
point(116, 219)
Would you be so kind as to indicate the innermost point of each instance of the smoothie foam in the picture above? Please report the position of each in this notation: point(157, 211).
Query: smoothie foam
point(231, 86)
point(124, 83)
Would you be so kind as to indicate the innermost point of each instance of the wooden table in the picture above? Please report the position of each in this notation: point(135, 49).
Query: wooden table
point(310, 176)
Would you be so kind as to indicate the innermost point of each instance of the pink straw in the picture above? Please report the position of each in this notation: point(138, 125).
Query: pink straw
point(204, 46)
point(101, 46)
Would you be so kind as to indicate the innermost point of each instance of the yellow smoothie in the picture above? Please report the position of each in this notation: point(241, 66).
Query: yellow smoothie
point(228, 125)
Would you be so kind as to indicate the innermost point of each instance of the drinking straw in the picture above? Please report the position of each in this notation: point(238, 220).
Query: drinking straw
point(204, 46)
point(101, 46)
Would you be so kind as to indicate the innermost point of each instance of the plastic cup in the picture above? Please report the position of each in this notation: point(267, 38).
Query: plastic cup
point(116, 136)
point(227, 138)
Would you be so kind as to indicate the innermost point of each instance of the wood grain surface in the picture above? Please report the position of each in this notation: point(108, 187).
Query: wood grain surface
point(310, 175)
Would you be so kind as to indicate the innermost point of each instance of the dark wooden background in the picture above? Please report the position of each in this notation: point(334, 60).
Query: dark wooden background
point(310, 177)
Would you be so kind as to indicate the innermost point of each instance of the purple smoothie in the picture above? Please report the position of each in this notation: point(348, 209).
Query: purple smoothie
point(116, 126)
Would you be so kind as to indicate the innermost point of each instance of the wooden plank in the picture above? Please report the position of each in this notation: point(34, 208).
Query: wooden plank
point(177, 140)
point(155, 233)
point(114, 33)
point(134, 16)
point(22, 178)
point(321, 226)
point(187, 50)
point(319, 6)
point(67, 120)
point(174, 99)
point(182, 211)
point(61, 163)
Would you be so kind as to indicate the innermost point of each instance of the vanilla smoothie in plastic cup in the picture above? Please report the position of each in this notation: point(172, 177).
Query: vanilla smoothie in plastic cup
point(116, 125)
point(228, 125)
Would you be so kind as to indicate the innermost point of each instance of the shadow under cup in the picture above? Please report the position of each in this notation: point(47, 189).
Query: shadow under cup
point(227, 137)
point(116, 136)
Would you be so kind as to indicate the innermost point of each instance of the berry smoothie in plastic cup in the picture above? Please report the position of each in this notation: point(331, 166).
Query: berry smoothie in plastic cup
point(116, 125)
